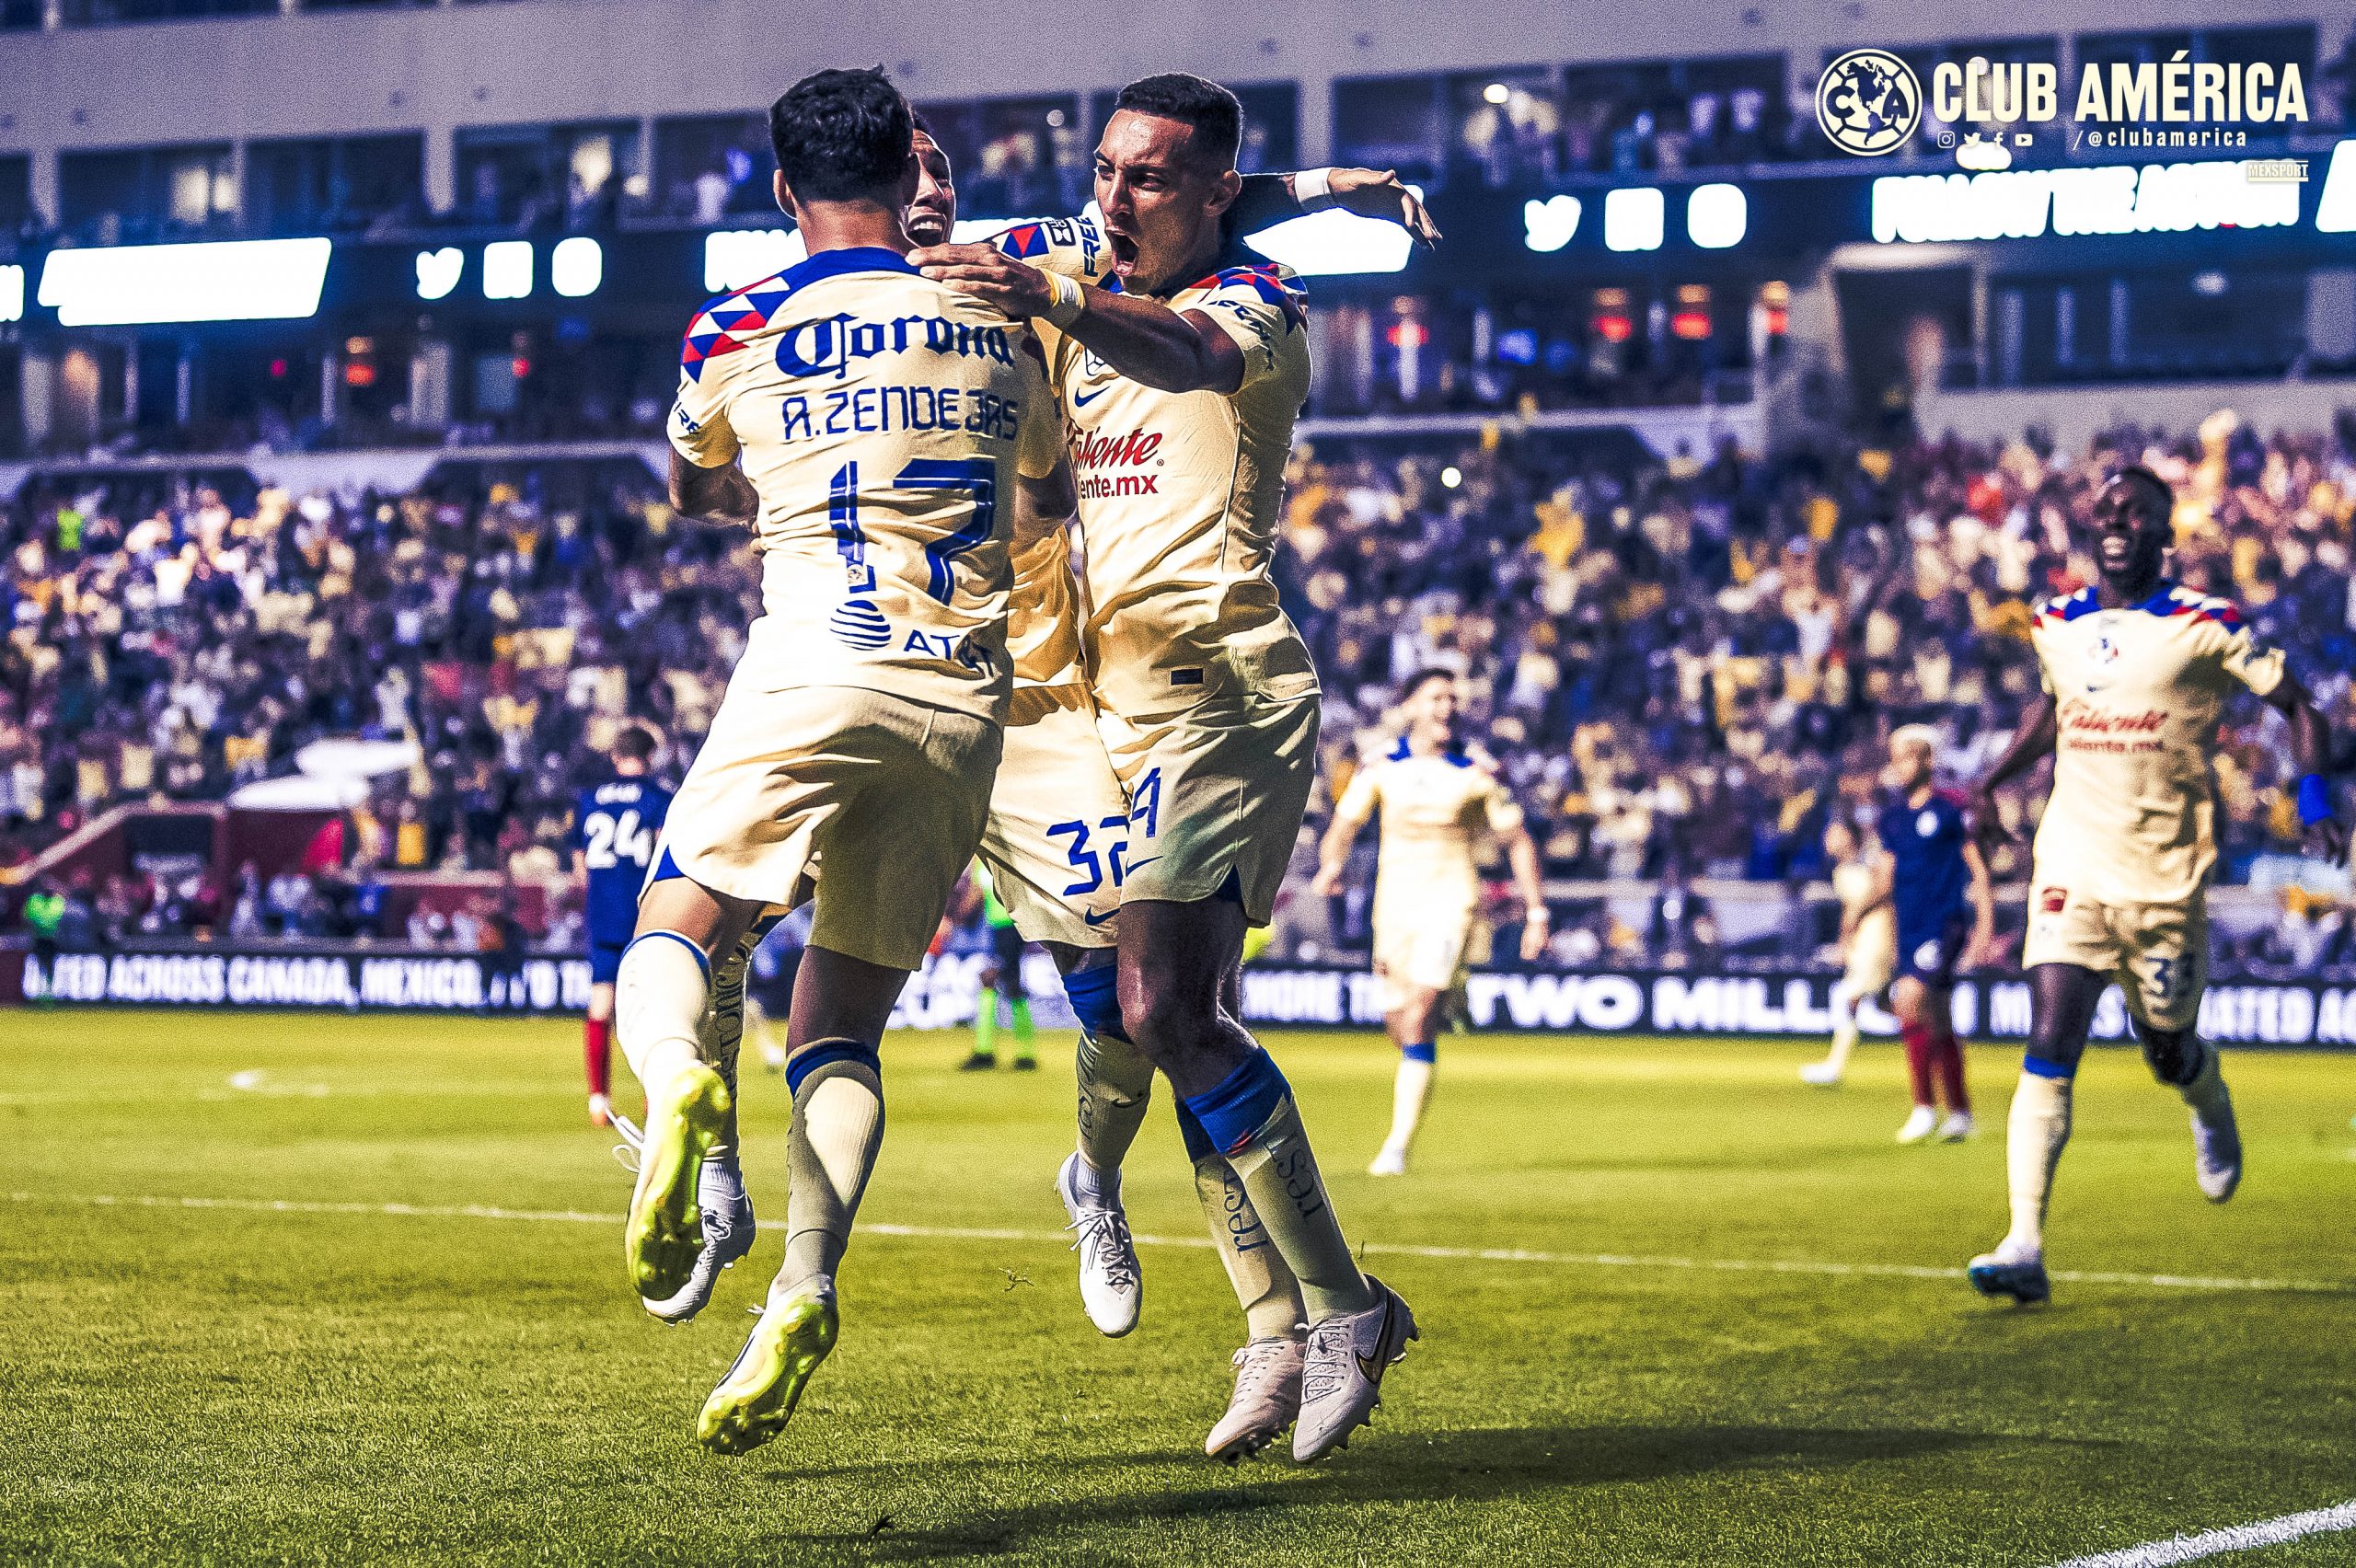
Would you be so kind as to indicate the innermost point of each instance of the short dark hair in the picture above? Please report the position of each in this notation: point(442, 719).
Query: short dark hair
point(1210, 109)
point(2158, 492)
point(1415, 687)
point(635, 744)
point(842, 135)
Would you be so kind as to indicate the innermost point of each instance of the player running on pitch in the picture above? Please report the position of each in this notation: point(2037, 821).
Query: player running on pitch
point(1936, 880)
point(884, 424)
point(2136, 670)
point(1056, 847)
point(1435, 801)
point(614, 826)
point(1868, 946)
point(1179, 420)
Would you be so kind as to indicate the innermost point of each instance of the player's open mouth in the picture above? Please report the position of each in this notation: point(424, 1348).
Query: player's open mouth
point(1125, 250)
point(928, 228)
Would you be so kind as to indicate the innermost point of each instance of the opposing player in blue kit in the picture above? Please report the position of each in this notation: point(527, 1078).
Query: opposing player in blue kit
point(615, 823)
point(1947, 920)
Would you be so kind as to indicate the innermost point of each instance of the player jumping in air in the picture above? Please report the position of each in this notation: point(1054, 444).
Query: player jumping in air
point(1868, 945)
point(884, 424)
point(1179, 407)
point(1055, 851)
point(1936, 880)
point(614, 826)
point(1435, 801)
point(2136, 671)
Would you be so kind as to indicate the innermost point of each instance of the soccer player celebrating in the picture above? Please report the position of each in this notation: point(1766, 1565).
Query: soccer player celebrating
point(1936, 880)
point(1181, 376)
point(1055, 851)
point(1434, 802)
point(1868, 945)
point(614, 826)
point(2136, 672)
point(879, 417)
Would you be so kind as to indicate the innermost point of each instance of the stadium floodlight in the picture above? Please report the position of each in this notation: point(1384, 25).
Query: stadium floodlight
point(12, 293)
point(576, 266)
point(1718, 216)
point(1336, 244)
point(438, 271)
point(1633, 218)
point(1496, 92)
point(2335, 208)
point(507, 269)
point(1547, 226)
point(135, 286)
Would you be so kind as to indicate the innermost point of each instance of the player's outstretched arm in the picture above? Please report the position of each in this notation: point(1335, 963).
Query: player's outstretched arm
point(2031, 744)
point(1351, 813)
point(1983, 908)
point(718, 495)
point(2320, 825)
point(1167, 350)
point(1268, 198)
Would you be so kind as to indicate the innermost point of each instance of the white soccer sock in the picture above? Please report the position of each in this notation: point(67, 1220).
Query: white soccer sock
point(1115, 1087)
point(661, 995)
point(838, 1129)
point(1278, 1169)
point(1263, 1285)
point(2034, 1139)
point(1410, 1093)
point(1844, 1028)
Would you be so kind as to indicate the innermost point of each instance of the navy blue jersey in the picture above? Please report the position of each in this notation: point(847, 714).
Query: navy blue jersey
point(614, 826)
point(1929, 882)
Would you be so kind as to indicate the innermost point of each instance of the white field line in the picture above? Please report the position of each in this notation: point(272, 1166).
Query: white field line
point(2234, 1538)
point(1375, 1249)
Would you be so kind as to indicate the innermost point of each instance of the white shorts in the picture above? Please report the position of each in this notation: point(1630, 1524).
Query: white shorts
point(1427, 952)
point(1058, 839)
point(1216, 791)
point(2157, 952)
point(882, 796)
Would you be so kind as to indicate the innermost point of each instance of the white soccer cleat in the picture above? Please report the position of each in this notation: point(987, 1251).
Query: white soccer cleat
point(1390, 1162)
point(1342, 1381)
point(601, 1110)
point(1956, 1128)
point(1266, 1399)
point(1110, 1286)
point(1824, 1075)
point(2217, 1155)
point(2014, 1269)
point(1919, 1126)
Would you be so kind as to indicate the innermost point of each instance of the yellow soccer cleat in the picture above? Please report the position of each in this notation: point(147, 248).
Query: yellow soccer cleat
point(753, 1403)
point(665, 1228)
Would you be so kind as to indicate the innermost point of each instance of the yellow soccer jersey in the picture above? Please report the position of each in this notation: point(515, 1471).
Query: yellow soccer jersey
point(1434, 811)
point(1180, 491)
point(1874, 931)
point(2138, 692)
point(883, 417)
point(1042, 629)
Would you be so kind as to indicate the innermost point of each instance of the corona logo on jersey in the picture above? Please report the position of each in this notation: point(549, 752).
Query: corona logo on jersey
point(829, 345)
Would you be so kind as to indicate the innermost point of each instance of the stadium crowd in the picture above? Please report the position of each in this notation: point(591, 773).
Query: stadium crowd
point(1684, 669)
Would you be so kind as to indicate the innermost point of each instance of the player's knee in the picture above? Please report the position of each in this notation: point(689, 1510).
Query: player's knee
point(1159, 1013)
point(1096, 1001)
point(2174, 1055)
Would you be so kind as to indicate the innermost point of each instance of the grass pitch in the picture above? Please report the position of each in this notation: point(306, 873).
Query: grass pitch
point(336, 1381)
